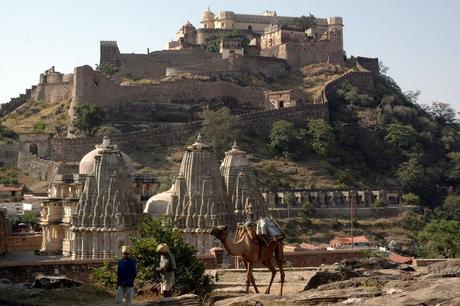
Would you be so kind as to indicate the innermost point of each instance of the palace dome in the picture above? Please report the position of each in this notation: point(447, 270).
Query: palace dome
point(208, 15)
point(87, 162)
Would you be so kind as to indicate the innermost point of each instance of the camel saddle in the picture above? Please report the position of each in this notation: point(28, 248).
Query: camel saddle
point(265, 230)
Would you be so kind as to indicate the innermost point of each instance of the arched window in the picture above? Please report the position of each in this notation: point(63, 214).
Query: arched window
point(280, 104)
point(250, 27)
point(33, 149)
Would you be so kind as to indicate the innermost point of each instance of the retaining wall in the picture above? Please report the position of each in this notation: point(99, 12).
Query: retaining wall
point(258, 123)
point(8, 153)
point(37, 167)
point(343, 212)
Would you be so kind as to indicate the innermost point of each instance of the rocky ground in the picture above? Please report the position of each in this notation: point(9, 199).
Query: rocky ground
point(372, 282)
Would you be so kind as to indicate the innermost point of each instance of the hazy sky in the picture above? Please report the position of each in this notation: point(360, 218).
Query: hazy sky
point(417, 39)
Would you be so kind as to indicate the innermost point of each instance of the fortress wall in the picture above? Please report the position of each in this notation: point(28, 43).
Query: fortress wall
point(53, 93)
point(14, 103)
point(154, 64)
point(141, 142)
point(370, 64)
point(92, 87)
point(37, 167)
point(8, 153)
point(364, 81)
point(241, 65)
point(308, 53)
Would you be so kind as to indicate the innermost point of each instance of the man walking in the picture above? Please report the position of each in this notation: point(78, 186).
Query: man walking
point(126, 275)
point(167, 268)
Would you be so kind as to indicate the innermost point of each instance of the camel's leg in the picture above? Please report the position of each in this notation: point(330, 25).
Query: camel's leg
point(280, 263)
point(251, 278)
point(272, 269)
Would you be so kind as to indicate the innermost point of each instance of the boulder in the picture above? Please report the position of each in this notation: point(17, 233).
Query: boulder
point(53, 282)
point(330, 274)
point(181, 300)
point(369, 263)
point(448, 268)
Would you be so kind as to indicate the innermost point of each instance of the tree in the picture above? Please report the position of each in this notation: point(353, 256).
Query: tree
point(442, 112)
point(410, 173)
point(399, 135)
point(107, 69)
point(212, 43)
point(305, 22)
point(190, 277)
point(220, 129)
point(352, 95)
point(439, 237)
point(411, 198)
point(283, 139)
point(39, 127)
point(88, 118)
point(321, 135)
point(450, 209)
point(454, 169)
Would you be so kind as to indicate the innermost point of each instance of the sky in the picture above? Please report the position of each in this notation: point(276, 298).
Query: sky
point(417, 39)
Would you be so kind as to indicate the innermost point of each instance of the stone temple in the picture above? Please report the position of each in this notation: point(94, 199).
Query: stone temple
point(203, 196)
point(92, 213)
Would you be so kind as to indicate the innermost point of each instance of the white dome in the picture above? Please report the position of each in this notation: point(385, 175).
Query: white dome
point(87, 162)
point(157, 205)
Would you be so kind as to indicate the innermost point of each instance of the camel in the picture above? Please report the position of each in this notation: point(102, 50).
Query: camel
point(251, 250)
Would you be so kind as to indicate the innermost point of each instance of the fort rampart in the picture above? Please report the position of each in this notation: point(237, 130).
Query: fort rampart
point(37, 167)
point(258, 123)
point(8, 153)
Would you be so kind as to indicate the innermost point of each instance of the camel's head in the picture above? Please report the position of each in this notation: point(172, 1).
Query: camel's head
point(220, 232)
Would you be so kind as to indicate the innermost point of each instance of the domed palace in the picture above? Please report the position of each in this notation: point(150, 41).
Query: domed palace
point(90, 214)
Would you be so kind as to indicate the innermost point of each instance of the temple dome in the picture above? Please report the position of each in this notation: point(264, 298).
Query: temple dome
point(157, 205)
point(87, 162)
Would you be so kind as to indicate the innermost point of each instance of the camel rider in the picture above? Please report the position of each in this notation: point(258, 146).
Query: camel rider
point(167, 269)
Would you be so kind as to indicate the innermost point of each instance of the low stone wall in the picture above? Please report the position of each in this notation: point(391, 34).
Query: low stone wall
point(344, 212)
point(17, 243)
point(423, 262)
point(8, 153)
point(37, 167)
point(26, 271)
point(316, 258)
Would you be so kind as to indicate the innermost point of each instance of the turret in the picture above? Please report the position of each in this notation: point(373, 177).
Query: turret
point(208, 19)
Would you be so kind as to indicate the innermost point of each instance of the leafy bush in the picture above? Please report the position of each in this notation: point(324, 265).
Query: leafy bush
point(221, 129)
point(305, 22)
point(411, 198)
point(439, 237)
point(212, 43)
point(107, 69)
point(7, 133)
point(284, 140)
point(321, 136)
point(106, 275)
point(39, 127)
point(190, 275)
point(88, 118)
point(353, 96)
point(379, 203)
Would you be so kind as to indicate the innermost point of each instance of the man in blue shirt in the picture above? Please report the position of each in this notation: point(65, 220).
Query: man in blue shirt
point(125, 278)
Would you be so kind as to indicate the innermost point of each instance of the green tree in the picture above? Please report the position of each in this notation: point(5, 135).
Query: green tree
point(220, 128)
point(352, 95)
point(399, 135)
point(454, 166)
point(321, 136)
point(28, 217)
point(439, 237)
point(305, 22)
point(39, 127)
point(410, 173)
point(442, 112)
point(283, 139)
point(411, 198)
point(190, 277)
point(450, 209)
point(107, 69)
point(212, 43)
point(88, 118)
